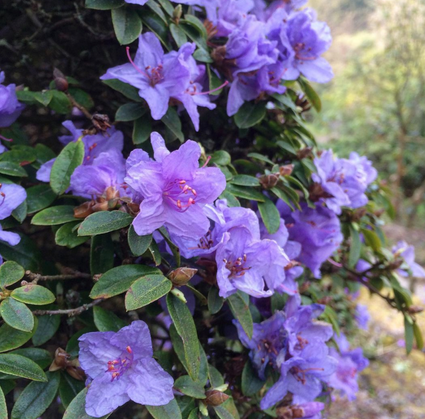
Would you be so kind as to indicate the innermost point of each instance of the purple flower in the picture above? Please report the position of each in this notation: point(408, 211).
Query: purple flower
point(302, 330)
point(362, 316)
point(121, 368)
point(350, 363)
point(317, 230)
point(223, 219)
point(302, 376)
point(105, 174)
point(309, 410)
point(11, 196)
point(10, 107)
point(251, 265)
point(174, 189)
point(269, 342)
point(309, 39)
point(264, 12)
point(112, 141)
point(161, 77)
point(408, 254)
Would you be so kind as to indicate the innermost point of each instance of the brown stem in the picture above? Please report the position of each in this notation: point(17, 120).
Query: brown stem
point(35, 278)
point(86, 113)
point(70, 312)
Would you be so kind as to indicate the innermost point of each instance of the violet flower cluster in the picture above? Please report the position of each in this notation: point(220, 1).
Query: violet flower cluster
point(292, 343)
point(265, 46)
point(10, 107)
point(343, 182)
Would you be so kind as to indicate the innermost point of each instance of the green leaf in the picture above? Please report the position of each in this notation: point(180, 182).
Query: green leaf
point(227, 410)
point(46, 329)
point(3, 406)
point(127, 90)
point(130, 111)
point(193, 32)
point(172, 121)
point(60, 102)
point(260, 157)
point(101, 254)
point(215, 302)
point(20, 212)
point(355, 247)
point(67, 236)
point(119, 280)
point(245, 180)
point(185, 327)
point(311, 94)
point(156, 25)
point(11, 338)
point(240, 310)
point(372, 239)
point(169, 411)
point(138, 244)
point(178, 34)
point(10, 273)
point(177, 344)
point(77, 408)
point(12, 169)
point(408, 334)
point(174, 249)
point(17, 315)
point(146, 290)
point(221, 157)
point(33, 294)
point(142, 129)
point(25, 253)
point(203, 56)
point(104, 4)
point(155, 253)
point(69, 388)
point(250, 114)
point(187, 386)
point(60, 214)
point(215, 377)
point(270, 215)
point(39, 197)
point(167, 6)
point(106, 321)
point(232, 201)
point(251, 383)
point(68, 160)
point(246, 193)
point(44, 97)
point(157, 10)
point(21, 367)
point(127, 25)
point(418, 336)
point(104, 222)
point(81, 97)
point(331, 317)
point(36, 398)
point(41, 357)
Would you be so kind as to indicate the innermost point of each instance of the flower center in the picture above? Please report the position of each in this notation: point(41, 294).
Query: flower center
point(180, 194)
point(119, 366)
point(153, 74)
point(301, 343)
point(300, 374)
point(346, 374)
point(237, 267)
point(300, 48)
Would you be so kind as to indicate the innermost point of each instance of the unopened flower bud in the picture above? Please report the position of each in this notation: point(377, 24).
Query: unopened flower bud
point(61, 360)
point(215, 398)
point(286, 170)
point(304, 152)
point(269, 181)
point(100, 206)
point(84, 210)
point(101, 122)
point(415, 309)
point(177, 13)
point(181, 276)
point(60, 80)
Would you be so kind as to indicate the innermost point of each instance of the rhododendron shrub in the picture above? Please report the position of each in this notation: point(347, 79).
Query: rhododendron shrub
point(192, 253)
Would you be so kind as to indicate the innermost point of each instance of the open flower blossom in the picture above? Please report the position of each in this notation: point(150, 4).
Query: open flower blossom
point(174, 189)
point(10, 107)
point(121, 368)
point(350, 363)
point(94, 145)
point(161, 77)
point(343, 182)
point(407, 252)
point(318, 231)
point(11, 196)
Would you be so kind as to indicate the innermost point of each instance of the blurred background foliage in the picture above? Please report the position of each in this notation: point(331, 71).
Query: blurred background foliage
point(375, 105)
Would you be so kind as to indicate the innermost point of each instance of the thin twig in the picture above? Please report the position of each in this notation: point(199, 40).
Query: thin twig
point(86, 113)
point(35, 278)
point(70, 312)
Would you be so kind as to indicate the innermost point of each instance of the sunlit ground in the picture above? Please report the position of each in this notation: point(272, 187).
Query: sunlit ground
point(393, 386)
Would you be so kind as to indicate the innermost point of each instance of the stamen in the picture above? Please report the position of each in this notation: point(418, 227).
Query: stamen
point(127, 49)
point(209, 91)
